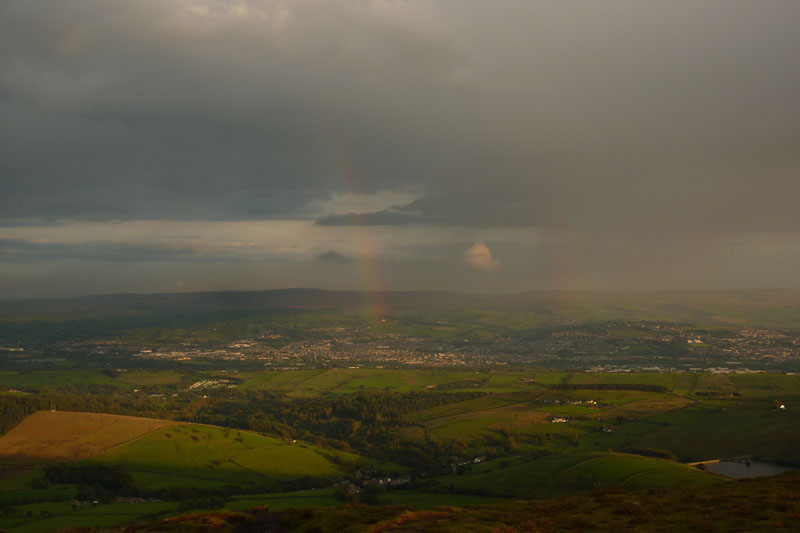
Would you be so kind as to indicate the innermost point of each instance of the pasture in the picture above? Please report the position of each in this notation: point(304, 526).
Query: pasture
point(309, 383)
point(57, 436)
point(545, 435)
point(146, 379)
point(574, 473)
point(285, 500)
point(18, 487)
point(198, 455)
point(37, 380)
point(529, 417)
point(57, 516)
point(348, 380)
point(712, 416)
point(725, 429)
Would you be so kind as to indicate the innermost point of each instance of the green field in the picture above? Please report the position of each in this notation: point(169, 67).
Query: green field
point(18, 488)
point(567, 474)
point(58, 516)
point(528, 416)
point(544, 435)
point(345, 381)
point(708, 431)
point(58, 436)
point(147, 379)
point(296, 429)
point(192, 454)
point(286, 500)
point(58, 380)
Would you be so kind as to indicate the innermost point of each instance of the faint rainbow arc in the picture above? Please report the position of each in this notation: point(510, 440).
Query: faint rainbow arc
point(369, 264)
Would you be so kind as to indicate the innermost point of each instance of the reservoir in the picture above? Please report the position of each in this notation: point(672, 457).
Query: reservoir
point(743, 469)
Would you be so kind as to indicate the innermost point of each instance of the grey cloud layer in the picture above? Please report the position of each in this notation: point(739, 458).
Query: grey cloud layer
point(26, 251)
point(147, 110)
point(264, 143)
point(619, 114)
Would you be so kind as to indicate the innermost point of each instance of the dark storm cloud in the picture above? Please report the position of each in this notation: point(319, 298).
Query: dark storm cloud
point(614, 114)
point(619, 143)
point(385, 217)
point(158, 109)
point(333, 256)
point(484, 210)
point(25, 251)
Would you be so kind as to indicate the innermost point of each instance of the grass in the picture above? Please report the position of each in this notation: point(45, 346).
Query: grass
point(689, 426)
point(710, 429)
point(468, 426)
point(732, 429)
point(147, 379)
point(192, 455)
point(258, 380)
point(57, 436)
point(766, 385)
point(18, 489)
point(458, 408)
point(58, 380)
point(676, 421)
point(692, 426)
point(568, 474)
point(61, 516)
point(277, 380)
point(346, 381)
point(527, 416)
point(286, 500)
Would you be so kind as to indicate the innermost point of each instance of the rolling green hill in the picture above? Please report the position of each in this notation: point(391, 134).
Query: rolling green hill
point(574, 473)
point(162, 453)
point(175, 465)
point(192, 454)
point(56, 436)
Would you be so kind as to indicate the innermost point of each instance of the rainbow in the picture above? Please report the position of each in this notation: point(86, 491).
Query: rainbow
point(368, 260)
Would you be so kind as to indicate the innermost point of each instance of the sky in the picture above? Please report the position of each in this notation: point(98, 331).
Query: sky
point(616, 145)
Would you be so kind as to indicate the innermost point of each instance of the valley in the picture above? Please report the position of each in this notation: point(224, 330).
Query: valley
point(102, 431)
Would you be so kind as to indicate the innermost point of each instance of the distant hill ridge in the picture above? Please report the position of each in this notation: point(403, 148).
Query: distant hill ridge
point(778, 307)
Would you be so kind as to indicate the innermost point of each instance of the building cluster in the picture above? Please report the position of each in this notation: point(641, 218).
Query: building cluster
point(615, 346)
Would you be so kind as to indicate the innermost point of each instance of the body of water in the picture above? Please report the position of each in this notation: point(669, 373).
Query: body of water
point(738, 470)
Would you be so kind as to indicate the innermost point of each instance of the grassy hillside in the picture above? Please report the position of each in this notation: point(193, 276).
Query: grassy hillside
point(271, 472)
point(193, 455)
point(162, 453)
point(528, 417)
point(158, 454)
point(712, 429)
point(62, 516)
point(693, 417)
point(573, 473)
point(56, 436)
